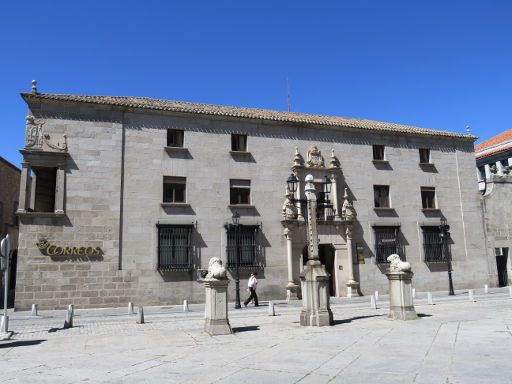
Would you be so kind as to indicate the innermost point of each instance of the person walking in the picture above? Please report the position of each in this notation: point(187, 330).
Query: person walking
point(252, 284)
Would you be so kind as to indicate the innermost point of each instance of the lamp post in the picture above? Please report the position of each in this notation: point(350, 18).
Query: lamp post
point(444, 234)
point(236, 224)
point(323, 202)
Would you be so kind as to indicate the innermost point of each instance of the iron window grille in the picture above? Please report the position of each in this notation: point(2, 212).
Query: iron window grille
point(378, 152)
point(387, 242)
point(433, 246)
point(246, 237)
point(324, 210)
point(175, 138)
point(428, 198)
point(174, 247)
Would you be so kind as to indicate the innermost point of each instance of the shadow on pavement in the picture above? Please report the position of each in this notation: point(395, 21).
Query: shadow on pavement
point(246, 329)
point(423, 315)
point(21, 343)
point(349, 320)
point(52, 330)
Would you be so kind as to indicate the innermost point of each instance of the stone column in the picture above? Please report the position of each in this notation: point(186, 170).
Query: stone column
point(401, 305)
point(24, 186)
point(510, 161)
point(59, 190)
point(216, 307)
point(291, 287)
point(33, 185)
point(487, 168)
point(352, 285)
point(334, 198)
point(499, 167)
point(316, 310)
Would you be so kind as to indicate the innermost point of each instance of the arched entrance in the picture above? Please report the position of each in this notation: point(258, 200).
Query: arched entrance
point(326, 254)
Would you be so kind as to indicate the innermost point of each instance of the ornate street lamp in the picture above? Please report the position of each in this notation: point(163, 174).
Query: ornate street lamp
point(444, 234)
point(236, 224)
point(323, 200)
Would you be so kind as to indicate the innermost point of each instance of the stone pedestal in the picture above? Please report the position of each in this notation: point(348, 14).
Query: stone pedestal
point(292, 292)
point(216, 307)
point(401, 305)
point(316, 310)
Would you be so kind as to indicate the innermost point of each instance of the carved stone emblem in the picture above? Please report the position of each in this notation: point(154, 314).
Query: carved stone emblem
point(315, 158)
point(35, 138)
point(298, 160)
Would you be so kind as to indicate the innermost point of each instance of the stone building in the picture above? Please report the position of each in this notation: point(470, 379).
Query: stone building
point(9, 192)
point(130, 197)
point(494, 165)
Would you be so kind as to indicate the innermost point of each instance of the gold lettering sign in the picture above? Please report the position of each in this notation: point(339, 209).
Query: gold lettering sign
point(54, 250)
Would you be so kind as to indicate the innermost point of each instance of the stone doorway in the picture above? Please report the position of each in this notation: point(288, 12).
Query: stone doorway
point(326, 254)
point(501, 263)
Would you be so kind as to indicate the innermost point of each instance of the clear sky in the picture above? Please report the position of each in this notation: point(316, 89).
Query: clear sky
point(434, 64)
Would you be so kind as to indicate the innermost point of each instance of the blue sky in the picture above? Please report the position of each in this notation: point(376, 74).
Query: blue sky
point(434, 64)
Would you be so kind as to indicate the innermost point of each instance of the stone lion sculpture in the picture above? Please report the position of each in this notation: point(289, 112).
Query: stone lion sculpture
point(215, 269)
point(397, 265)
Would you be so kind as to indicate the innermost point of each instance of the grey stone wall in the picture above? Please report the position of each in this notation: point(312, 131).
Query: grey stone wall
point(93, 188)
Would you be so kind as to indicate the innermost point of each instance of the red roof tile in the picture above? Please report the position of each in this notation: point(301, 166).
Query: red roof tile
point(496, 140)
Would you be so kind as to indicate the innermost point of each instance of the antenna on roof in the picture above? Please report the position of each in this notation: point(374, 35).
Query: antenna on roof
point(34, 86)
point(288, 94)
point(468, 131)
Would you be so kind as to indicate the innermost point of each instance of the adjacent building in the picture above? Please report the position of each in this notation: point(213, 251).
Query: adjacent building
point(494, 165)
point(9, 193)
point(127, 198)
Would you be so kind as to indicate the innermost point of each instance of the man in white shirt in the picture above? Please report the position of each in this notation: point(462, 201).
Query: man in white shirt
point(252, 284)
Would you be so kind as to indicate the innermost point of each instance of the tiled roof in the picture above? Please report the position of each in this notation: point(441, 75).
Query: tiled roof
point(494, 141)
point(247, 113)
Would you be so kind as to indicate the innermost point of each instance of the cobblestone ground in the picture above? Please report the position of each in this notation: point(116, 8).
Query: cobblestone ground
point(454, 341)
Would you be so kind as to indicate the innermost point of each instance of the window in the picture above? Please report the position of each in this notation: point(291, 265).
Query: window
point(244, 240)
point(44, 197)
point(174, 189)
point(387, 242)
point(378, 152)
point(381, 196)
point(433, 246)
point(428, 198)
point(424, 156)
point(174, 247)
point(239, 143)
point(175, 138)
point(481, 172)
point(240, 192)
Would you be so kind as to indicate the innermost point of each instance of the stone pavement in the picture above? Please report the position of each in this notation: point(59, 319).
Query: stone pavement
point(454, 341)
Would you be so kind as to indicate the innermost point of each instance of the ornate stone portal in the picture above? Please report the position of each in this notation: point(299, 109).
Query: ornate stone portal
point(316, 309)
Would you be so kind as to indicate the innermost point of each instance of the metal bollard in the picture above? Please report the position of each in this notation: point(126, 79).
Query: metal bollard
point(429, 299)
point(486, 288)
point(130, 308)
point(414, 293)
point(376, 295)
point(373, 303)
point(34, 309)
point(185, 306)
point(471, 295)
point(140, 315)
point(510, 291)
point(271, 309)
point(68, 323)
point(4, 324)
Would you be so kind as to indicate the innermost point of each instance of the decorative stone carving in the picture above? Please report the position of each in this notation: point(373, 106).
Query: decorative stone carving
point(334, 163)
point(33, 133)
point(298, 160)
point(36, 139)
point(216, 270)
point(493, 169)
point(315, 158)
point(397, 265)
point(506, 170)
point(347, 210)
point(289, 209)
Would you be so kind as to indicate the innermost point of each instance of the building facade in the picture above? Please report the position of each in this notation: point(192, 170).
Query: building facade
point(9, 193)
point(126, 199)
point(494, 165)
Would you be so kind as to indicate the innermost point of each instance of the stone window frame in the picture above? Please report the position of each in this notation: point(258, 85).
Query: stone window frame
point(28, 182)
point(239, 143)
point(378, 205)
point(239, 184)
point(429, 199)
point(174, 180)
point(379, 153)
point(425, 155)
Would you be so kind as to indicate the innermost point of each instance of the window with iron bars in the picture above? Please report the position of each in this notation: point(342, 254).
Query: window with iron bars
point(243, 240)
point(433, 246)
point(387, 242)
point(174, 247)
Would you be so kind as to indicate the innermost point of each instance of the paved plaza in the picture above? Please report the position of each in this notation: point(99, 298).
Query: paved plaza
point(454, 341)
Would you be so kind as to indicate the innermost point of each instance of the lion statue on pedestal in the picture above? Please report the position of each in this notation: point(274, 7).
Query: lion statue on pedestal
point(215, 269)
point(397, 265)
